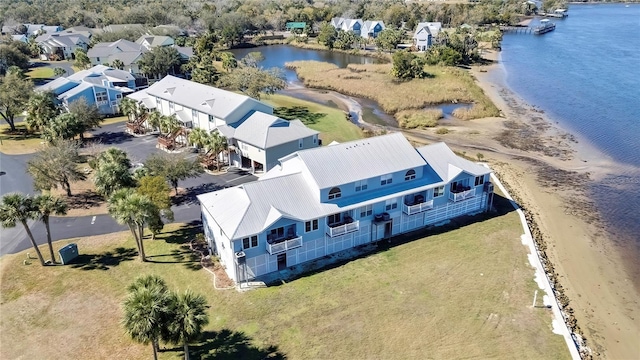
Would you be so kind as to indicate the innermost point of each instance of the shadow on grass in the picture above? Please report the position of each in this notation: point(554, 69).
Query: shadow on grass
point(298, 112)
point(20, 133)
point(501, 207)
point(84, 200)
point(104, 261)
point(230, 345)
point(183, 255)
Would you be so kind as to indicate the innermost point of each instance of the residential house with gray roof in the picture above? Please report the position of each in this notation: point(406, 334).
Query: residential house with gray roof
point(320, 201)
point(256, 138)
point(425, 34)
point(129, 53)
point(61, 45)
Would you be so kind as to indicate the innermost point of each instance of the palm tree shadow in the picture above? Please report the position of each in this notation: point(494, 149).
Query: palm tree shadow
point(104, 261)
point(230, 345)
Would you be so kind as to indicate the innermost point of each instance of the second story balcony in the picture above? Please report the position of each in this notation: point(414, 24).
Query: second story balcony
point(338, 229)
point(282, 245)
point(417, 208)
point(462, 195)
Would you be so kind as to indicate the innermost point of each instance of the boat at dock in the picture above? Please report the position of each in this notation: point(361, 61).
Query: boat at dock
point(544, 27)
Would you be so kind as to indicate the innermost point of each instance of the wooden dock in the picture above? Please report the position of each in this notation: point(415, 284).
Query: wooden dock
point(516, 29)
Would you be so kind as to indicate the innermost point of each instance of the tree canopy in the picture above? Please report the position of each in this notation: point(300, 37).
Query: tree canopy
point(56, 166)
point(14, 95)
point(173, 167)
point(159, 61)
point(407, 65)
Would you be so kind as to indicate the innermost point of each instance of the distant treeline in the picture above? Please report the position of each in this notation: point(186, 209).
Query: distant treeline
point(260, 16)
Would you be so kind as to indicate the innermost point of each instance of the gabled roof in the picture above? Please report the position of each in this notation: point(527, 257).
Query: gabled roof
point(106, 49)
point(360, 159)
point(207, 99)
point(447, 164)
point(368, 26)
point(432, 28)
point(67, 39)
point(120, 27)
point(56, 84)
point(100, 70)
point(266, 131)
point(344, 23)
point(154, 40)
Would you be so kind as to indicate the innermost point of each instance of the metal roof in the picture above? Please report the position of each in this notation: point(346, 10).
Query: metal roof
point(265, 130)
point(55, 84)
point(105, 49)
point(432, 28)
point(447, 164)
point(207, 99)
point(361, 159)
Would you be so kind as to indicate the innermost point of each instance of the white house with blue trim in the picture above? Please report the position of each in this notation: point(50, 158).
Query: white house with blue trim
point(425, 33)
point(366, 29)
point(101, 86)
point(320, 201)
point(256, 137)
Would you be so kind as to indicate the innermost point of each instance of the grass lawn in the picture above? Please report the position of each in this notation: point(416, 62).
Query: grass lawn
point(332, 126)
point(41, 72)
point(465, 293)
point(20, 142)
point(374, 81)
point(113, 120)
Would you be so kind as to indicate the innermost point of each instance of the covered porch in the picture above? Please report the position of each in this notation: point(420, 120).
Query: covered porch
point(341, 223)
point(283, 238)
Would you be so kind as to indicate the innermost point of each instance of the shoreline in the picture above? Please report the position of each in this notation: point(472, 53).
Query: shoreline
point(542, 165)
point(589, 267)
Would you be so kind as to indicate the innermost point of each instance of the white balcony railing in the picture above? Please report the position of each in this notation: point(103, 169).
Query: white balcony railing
point(463, 195)
point(284, 245)
point(417, 208)
point(337, 230)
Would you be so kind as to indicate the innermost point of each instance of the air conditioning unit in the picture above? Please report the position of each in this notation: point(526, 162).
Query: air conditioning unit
point(488, 187)
point(241, 257)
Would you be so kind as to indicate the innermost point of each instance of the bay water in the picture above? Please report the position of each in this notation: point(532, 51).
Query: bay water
point(585, 75)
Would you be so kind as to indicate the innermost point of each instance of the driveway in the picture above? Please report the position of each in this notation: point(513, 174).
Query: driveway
point(186, 207)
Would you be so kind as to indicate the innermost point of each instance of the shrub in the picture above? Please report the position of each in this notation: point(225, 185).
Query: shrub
point(412, 119)
point(442, 131)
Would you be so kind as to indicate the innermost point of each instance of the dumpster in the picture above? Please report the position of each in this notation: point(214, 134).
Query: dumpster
point(68, 253)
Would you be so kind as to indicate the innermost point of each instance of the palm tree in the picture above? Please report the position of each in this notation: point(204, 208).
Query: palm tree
point(170, 123)
point(188, 315)
point(199, 138)
point(155, 120)
point(128, 107)
point(134, 210)
point(112, 171)
point(47, 205)
point(118, 64)
point(41, 109)
point(216, 144)
point(18, 207)
point(145, 311)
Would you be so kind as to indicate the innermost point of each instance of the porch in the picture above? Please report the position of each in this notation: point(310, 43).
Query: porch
point(460, 195)
point(282, 239)
point(415, 203)
point(341, 223)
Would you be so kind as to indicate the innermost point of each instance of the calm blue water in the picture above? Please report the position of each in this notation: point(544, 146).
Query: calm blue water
point(586, 76)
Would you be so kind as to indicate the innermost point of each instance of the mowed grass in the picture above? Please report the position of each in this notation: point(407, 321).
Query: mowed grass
point(41, 72)
point(374, 81)
point(465, 293)
point(332, 126)
point(19, 142)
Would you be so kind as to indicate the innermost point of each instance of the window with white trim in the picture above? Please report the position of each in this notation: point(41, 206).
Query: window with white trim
point(361, 185)
point(391, 204)
point(250, 242)
point(386, 179)
point(211, 118)
point(479, 180)
point(101, 96)
point(333, 219)
point(311, 225)
point(118, 96)
point(194, 114)
point(170, 105)
point(335, 193)
point(439, 191)
point(366, 211)
point(410, 175)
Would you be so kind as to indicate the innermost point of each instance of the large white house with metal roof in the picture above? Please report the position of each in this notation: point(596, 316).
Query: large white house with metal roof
point(256, 138)
point(320, 201)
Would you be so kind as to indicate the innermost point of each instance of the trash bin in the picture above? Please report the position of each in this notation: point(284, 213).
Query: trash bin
point(68, 253)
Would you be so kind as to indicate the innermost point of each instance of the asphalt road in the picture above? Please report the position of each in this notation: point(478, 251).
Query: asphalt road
point(186, 207)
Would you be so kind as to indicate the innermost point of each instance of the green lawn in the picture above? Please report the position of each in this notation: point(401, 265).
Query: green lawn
point(19, 142)
point(332, 125)
point(465, 293)
point(41, 72)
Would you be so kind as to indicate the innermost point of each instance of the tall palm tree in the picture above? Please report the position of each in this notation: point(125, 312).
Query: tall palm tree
point(188, 316)
point(155, 120)
point(18, 207)
point(216, 144)
point(47, 205)
point(145, 314)
point(170, 123)
point(118, 64)
point(199, 138)
point(134, 210)
point(41, 109)
point(128, 107)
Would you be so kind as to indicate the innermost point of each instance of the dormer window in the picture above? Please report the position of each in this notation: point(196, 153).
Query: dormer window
point(386, 179)
point(410, 175)
point(335, 193)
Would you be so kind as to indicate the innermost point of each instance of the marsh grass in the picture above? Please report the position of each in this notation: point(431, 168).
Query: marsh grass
point(412, 119)
point(374, 81)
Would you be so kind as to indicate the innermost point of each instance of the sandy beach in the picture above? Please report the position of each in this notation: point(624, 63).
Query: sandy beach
point(545, 168)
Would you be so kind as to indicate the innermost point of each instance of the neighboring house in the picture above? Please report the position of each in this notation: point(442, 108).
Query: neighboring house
point(22, 38)
point(344, 24)
point(328, 199)
point(124, 50)
point(31, 29)
point(101, 85)
point(151, 41)
point(61, 44)
point(425, 33)
point(371, 29)
point(82, 30)
point(256, 138)
point(172, 30)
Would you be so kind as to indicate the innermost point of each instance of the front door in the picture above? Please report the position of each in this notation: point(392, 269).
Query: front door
point(282, 261)
point(387, 229)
